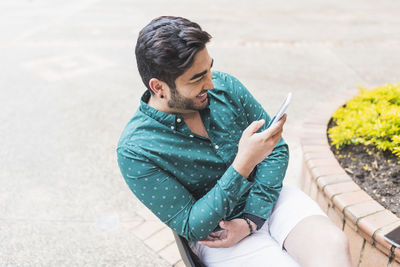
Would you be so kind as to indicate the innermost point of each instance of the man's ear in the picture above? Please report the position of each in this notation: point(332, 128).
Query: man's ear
point(158, 87)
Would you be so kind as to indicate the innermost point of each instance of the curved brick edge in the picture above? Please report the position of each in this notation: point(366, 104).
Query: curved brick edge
point(363, 220)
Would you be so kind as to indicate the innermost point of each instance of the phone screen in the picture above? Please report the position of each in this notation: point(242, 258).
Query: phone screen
point(394, 237)
point(281, 110)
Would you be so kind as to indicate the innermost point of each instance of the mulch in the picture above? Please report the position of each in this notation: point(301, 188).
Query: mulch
point(376, 172)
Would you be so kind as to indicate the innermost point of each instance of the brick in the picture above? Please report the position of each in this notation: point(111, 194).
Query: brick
point(329, 161)
point(340, 188)
point(161, 239)
point(315, 132)
point(371, 223)
point(323, 201)
point(314, 141)
point(323, 181)
point(305, 169)
point(315, 155)
point(372, 257)
point(350, 224)
point(313, 191)
point(397, 255)
point(326, 170)
point(148, 228)
point(171, 254)
point(336, 217)
point(357, 211)
point(356, 244)
point(343, 200)
point(305, 180)
point(383, 249)
point(379, 236)
point(316, 148)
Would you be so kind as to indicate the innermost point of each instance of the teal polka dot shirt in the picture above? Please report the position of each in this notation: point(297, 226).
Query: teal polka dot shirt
point(187, 180)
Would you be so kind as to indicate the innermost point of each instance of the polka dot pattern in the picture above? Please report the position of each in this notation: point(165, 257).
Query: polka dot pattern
point(187, 180)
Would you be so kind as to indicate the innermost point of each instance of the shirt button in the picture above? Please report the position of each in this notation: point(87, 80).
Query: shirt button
point(178, 119)
point(216, 146)
point(191, 135)
point(172, 127)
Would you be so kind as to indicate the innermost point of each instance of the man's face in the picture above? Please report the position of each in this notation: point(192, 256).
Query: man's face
point(191, 89)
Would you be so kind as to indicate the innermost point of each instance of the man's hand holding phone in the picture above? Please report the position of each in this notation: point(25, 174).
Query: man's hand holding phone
point(255, 147)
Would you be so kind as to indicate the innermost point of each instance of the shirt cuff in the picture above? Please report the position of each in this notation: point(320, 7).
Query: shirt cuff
point(234, 183)
point(255, 219)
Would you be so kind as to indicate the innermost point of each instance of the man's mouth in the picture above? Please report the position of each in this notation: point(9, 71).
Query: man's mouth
point(202, 95)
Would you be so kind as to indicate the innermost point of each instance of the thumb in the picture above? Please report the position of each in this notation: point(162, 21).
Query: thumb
point(224, 224)
point(254, 126)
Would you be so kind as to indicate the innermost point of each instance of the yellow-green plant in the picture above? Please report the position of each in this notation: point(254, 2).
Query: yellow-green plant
point(371, 118)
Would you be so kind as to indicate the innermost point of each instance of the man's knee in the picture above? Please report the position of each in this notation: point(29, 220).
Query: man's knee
point(332, 246)
point(335, 239)
point(327, 235)
point(316, 240)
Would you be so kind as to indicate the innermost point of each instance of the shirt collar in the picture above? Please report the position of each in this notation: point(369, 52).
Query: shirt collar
point(167, 119)
point(162, 117)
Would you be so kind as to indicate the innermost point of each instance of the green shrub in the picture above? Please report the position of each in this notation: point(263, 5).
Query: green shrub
point(371, 118)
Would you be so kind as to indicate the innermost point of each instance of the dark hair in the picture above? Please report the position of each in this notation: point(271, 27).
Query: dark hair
point(166, 48)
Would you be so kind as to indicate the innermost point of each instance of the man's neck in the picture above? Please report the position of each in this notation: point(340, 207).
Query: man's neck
point(156, 104)
point(192, 118)
point(186, 114)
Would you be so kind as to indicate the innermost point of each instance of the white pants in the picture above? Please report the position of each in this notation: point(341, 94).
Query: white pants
point(265, 247)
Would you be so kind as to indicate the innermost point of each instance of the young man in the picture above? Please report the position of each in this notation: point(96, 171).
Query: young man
point(197, 153)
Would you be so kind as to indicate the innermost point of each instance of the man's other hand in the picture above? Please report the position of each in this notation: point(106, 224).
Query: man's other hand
point(233, 231)
point(255, 147)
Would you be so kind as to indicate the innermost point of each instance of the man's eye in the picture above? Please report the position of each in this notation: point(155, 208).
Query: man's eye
point(199, 79)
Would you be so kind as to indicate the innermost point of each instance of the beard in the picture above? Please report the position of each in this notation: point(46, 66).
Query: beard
point(180, 102)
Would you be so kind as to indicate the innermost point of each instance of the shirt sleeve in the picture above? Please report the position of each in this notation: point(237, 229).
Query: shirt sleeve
point(172, 203)
point(268, 174)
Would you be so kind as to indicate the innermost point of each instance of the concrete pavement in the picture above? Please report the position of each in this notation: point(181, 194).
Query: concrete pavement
point(69, 85)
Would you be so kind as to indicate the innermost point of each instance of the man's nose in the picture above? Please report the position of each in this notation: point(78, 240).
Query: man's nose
point(209, 85)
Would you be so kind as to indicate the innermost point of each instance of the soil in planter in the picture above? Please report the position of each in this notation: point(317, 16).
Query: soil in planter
point(377, 172)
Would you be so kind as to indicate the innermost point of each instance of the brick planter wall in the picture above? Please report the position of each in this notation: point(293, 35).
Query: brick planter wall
point(363, 219)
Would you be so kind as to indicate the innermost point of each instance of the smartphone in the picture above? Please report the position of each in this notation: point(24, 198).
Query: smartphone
point(281, 111)
point(393, 237)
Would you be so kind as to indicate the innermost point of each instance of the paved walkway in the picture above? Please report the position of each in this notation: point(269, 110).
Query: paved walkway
point(69, 85)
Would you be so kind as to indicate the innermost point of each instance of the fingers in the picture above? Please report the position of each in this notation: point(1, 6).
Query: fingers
point(214, 235)
point(220, 234)
point(218, 243)
point(275, 128)
point(209, 238)
point(254, 126)
point(279, 124)
point(218, 239)
point(282, 121)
